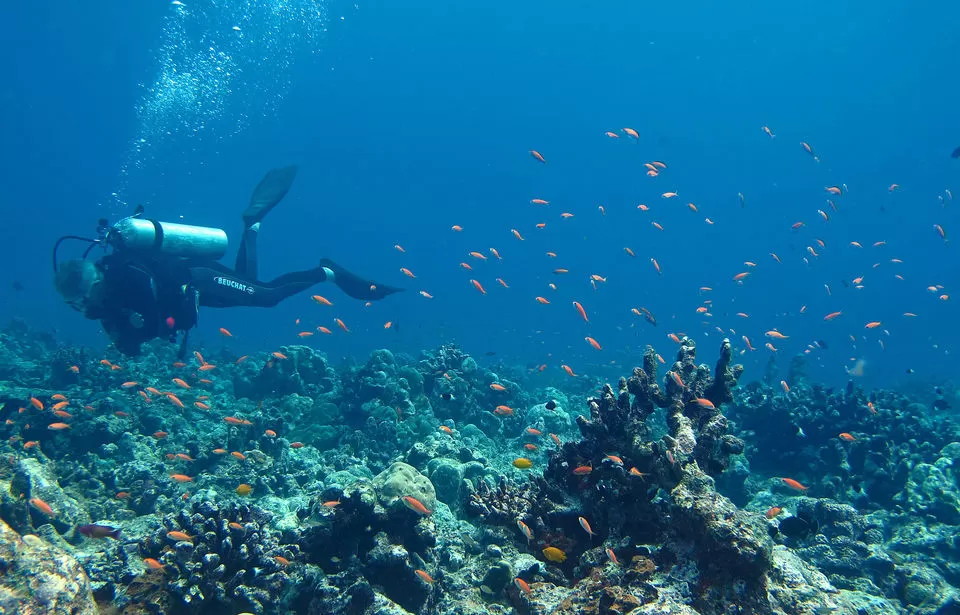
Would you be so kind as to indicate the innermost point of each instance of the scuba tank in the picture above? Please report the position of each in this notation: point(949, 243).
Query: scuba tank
point(182, 240)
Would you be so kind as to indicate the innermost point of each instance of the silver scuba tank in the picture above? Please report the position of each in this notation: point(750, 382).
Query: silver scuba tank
point(168, 238)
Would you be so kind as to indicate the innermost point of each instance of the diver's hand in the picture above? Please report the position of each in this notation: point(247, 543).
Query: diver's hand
point(136, 320)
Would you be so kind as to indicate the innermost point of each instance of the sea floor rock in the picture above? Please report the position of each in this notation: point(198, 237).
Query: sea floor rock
point(39, 578)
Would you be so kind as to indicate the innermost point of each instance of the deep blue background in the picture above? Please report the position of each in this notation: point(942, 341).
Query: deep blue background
point(406, 118)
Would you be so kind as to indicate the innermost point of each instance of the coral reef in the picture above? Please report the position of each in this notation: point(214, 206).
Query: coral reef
point(448, 484)
point(222, 556)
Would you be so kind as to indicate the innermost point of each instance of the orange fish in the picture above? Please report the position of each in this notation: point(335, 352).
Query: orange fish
point(36, 403)
point(582, 312)
point(181, 383)
point(58, 426)
point(478, 286)
point(416, 505)
point(225, 333)
point(341, 324)
point(522, 586)
point(593, 342)
point(538, 156)
point(516, 234)
point(174, 400)
point(569, 371)
point(42, 506)
point(773, 512)
point(423, 575)
point(179, 536)
point(498, 387)
point(586, 526)
point(789, 482)
point(207, 367)
point(502, 283)
point(181, 478)
point(542, 300)
point(582, 470)
point(832, 315)
point(873, 325)
point(846, 437)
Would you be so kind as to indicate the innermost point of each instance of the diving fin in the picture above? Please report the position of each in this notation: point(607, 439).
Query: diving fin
point(271, 189)
point(355, 286)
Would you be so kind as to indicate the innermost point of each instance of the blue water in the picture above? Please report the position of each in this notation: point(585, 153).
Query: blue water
point(407, 118)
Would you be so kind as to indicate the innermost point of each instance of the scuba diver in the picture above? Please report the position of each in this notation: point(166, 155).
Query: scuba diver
point(159, 273)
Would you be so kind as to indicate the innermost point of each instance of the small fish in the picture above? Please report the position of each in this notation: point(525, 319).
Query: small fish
point(523, 585)
point(554, 554)
point(42, 506)
point(773, 512)
point(416, 505)
point(179, 536)
point(793, 484)
point(525, 529)
point(94, 530)
point(522, 463)
point(586, 526)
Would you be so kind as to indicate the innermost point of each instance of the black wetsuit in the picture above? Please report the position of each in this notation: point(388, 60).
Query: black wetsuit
point(142, 293)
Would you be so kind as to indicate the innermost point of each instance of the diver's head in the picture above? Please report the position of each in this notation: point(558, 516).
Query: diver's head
point(78, 281)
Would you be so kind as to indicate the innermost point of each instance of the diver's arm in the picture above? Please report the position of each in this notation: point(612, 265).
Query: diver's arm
point(127, 307)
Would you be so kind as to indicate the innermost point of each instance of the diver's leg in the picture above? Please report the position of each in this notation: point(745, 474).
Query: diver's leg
point(247, 254)
point(271, 189)
point(220, 287)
